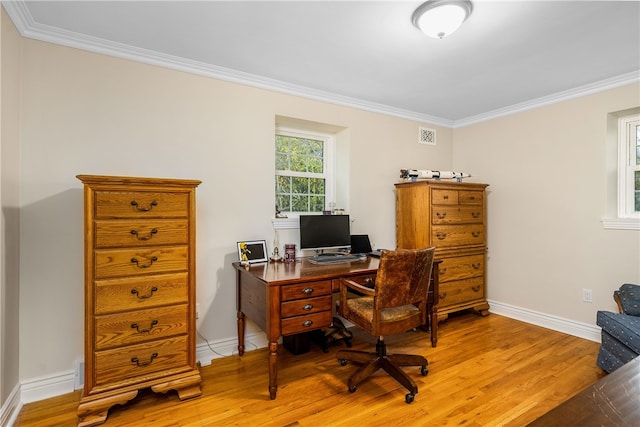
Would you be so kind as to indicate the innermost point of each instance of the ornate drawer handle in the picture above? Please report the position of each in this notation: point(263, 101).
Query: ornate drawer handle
point(137, 263)
point(135, 233)
point(144, 331)
point(475, 233)
point(443, 295)
point(307, 307)
point(472, 197)
point(137, 362)
point(476, 266)
point(441, 215)
point(441, 236)
point(475, 214)
point(307, 323)
point(446, 197)
point(134, 291)
point(442, 270)
point(307, 291)
point(151, 205)
point(475, 288)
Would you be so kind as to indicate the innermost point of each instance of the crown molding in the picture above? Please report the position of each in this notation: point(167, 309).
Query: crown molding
point(28, 28)
point(600, 86)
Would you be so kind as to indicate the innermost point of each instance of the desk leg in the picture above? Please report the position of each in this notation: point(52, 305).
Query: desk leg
point(273, 369)
point(240, 316)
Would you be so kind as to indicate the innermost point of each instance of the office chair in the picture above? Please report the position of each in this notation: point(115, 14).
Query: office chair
point(397, 303)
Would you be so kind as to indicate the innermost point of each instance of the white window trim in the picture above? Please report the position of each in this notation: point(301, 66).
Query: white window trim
point(329, 172)
point(627, 218)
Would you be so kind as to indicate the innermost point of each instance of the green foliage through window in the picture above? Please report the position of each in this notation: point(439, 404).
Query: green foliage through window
point(300, 180)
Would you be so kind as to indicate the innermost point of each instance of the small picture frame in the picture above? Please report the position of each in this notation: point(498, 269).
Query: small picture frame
point(252, 251)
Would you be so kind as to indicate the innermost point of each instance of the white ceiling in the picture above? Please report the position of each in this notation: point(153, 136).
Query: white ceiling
point(508, 56)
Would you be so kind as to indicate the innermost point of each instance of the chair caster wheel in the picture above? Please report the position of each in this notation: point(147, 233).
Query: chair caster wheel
point(343, 362)
point(424, 371)
point(352, 388)
point(409, 397)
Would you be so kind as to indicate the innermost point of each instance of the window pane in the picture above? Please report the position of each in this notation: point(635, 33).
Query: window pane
point(316, 186)
point(283, 202)
point(283, 184)
point(636, 191)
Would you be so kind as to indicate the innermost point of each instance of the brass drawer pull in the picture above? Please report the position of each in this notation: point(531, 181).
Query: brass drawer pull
point(144, 331)
point(443, 295)
point(446, 197)
point(134, 291)
point(475, 288)
point(307, 291)
point(307, 307)
point(151, 205)
point(476, 233)
point(441, 236)
point(135, 233)
point(442, 270)
point(476, 266)
point(441, 215)
point(137, 263)
point(307, 323)
point(137, 362)
point(476, 214)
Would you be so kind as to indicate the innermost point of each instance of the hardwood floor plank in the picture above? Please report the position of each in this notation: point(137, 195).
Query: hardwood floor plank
point(486, 371)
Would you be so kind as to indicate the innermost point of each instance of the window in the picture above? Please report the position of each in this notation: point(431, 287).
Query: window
point(629, 167)
point(304, 171)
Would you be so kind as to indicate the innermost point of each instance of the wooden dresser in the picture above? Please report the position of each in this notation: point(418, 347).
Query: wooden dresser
point(139, 291)
point(449, 215)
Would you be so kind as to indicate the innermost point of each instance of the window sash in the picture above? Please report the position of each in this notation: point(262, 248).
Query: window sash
point(628, 167)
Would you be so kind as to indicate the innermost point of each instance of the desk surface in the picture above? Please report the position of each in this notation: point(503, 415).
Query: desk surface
point(614, 400)
point(281, 273)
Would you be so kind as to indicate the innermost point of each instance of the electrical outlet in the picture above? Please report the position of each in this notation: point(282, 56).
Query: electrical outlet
point(586, 295)
point(197, 310)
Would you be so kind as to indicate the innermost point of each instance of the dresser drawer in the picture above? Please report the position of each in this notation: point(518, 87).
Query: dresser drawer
point(444, 197)
point(463, 267)
point(132, 262)
point(120, 329)
point(142, 204)
point(305, 306)
point(457, 235)
point(141, 361)
point(457, 215)
point(306, 290)
point(461, 291)
point(471, 197)
point(129, 232)
point(297, 324)
point(140, 292)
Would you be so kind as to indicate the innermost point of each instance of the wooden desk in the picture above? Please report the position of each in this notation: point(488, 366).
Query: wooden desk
point(612, 401)
point(286, 299)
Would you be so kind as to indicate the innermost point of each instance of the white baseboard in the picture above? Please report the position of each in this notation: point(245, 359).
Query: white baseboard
point(58, 384)
point(11, 408)
point(560, 324)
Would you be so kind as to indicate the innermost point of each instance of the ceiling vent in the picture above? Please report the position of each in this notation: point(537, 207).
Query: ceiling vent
point(426, 136)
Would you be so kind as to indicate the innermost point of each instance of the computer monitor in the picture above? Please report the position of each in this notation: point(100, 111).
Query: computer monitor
point(322, 232)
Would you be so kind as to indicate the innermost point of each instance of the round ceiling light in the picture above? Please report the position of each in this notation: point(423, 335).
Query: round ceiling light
point(440, 18)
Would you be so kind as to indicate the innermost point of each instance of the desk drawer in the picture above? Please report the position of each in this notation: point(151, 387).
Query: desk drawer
point(306, 306)
point(297, 324)
point(306, 290)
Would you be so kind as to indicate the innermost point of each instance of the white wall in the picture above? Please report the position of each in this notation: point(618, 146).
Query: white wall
point(548, 173)
point(10, 219)
point(92, 114)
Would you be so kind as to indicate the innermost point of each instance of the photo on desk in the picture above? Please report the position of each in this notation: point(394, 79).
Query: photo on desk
point(252, 251)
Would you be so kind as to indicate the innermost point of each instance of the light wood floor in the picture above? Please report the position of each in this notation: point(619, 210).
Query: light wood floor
point(491, 371)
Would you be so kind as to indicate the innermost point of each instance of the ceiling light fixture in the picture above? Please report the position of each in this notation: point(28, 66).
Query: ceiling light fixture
point(440, 18)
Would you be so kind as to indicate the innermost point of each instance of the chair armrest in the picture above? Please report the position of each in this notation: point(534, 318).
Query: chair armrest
point(357, 287)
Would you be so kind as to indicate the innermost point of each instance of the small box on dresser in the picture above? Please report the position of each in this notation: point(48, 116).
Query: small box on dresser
point(451, 216)
point(139, 291)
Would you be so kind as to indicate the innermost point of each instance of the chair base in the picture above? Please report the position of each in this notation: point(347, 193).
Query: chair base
point(371, 362)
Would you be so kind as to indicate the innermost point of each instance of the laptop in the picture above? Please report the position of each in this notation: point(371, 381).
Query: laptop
point(360, 244)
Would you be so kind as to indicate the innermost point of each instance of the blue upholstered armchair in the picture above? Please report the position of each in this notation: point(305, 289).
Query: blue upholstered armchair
point(620, 331)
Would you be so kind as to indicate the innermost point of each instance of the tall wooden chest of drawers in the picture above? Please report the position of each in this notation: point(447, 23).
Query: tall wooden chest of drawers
point(451, 216)
point(139, 291)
